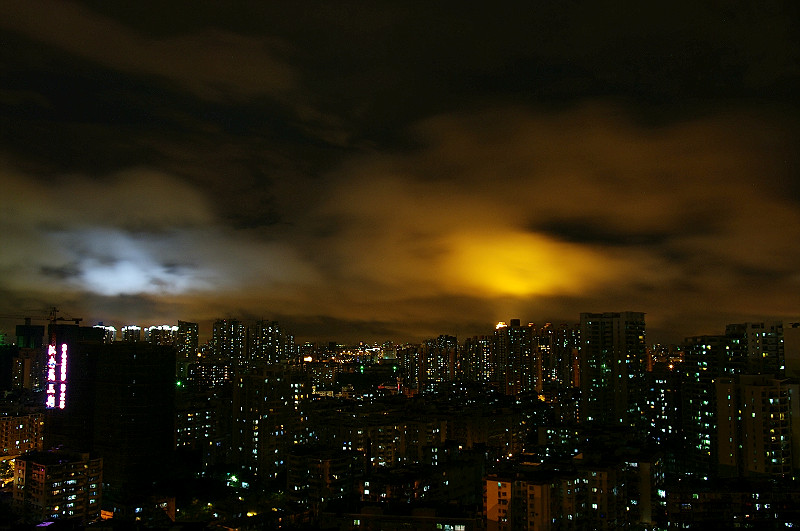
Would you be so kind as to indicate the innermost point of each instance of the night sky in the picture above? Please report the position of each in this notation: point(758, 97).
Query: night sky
point(399, 170)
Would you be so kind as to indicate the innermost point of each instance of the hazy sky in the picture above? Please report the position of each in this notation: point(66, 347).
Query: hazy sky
point(399, 170)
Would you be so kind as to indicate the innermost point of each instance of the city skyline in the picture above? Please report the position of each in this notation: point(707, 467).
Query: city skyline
point(369, 172)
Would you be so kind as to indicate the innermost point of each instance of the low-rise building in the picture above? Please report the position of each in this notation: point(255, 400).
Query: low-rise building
point(58, 485)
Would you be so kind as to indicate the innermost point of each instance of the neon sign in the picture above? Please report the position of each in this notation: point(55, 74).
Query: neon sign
point(51, 377)
point(54, 379)
point(62, 397)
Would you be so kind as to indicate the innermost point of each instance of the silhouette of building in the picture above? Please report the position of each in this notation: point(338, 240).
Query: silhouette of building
point(613, 363)
point(133, 417)
point(120, 406)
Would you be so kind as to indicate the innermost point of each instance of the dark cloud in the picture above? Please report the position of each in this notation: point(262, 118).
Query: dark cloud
point(386, 170)
point(212, 63)
point(66, 272)
point(593, 232)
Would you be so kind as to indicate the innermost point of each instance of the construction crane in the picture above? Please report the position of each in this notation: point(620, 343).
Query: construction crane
point(52, 317)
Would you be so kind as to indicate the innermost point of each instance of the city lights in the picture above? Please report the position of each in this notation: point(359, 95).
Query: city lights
point(533, 265)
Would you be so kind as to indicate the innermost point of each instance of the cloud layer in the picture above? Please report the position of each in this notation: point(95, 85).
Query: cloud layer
point(305, 166)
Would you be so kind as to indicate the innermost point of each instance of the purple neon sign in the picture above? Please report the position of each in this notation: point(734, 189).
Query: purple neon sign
point(56, 379)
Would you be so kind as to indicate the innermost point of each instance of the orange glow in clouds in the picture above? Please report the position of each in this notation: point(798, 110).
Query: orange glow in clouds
point(523, 264)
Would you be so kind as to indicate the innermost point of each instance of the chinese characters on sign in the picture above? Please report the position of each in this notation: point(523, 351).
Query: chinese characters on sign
point(53, 379)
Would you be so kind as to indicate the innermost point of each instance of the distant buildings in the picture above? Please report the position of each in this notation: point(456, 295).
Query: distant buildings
point(478, 359)
point(514, 359)
point(161, 334)
point(437, 361)
point(110, 333)
point(186, 347)
point(552, 426)
point(268, 343)
point(131, 333)
point(229, 343)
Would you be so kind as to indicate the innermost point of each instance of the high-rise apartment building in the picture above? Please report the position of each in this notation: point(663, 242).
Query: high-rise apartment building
point(110, 333)
point(229, 340)
point(613, 363)
point(133, 416)
point(664, 406)
point(262, 420)
point(187, 339)
point(119, 405)
point(186, 343)
point(268, 343)
point(705, 358)
point(131, 333)
point(410, 358)
point(559, 347)
point(440, 361)
point(518, 363)
point(758, 417)
point(744, 349)
point(477, 359)
point(161, 334)
point(431, 363)
point(762, 347)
